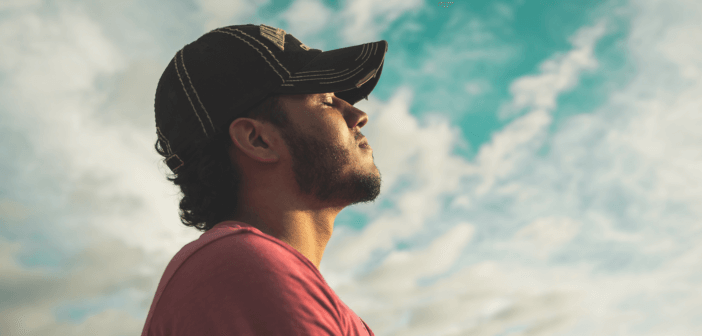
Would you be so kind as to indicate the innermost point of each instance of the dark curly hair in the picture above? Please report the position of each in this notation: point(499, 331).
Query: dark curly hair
point(210, 183)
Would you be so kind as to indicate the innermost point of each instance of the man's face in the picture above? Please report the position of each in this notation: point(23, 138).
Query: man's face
point(327, 160)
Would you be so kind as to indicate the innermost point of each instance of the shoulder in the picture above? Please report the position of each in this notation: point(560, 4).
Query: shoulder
point(240, 257)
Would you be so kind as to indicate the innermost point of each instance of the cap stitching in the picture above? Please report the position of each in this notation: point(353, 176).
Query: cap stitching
point(340, 73)
point(264, 58)
point(304, 78)
point(182, 59)
point(363, 51)
point(364, 61)
point(366, 53)
point(165, 140)
point(366, 58)
point(269, 51)
point(341, 80)
point(186, 91)
point(301, 72)
point(263, 45)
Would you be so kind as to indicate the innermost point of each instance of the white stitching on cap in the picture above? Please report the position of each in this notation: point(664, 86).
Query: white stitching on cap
point(343, 73)
point(355, 73)
point(263, 45)
point(182, 60)
point(341, 80)
point(363, 50)
point(164, 139)
point(269, 51)
point(326, 74)
point(186, 91)
point(366, 58)
point(367, 53)
point(247, 42)
point(301, 72)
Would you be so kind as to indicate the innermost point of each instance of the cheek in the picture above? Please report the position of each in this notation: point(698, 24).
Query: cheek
point(334, 131)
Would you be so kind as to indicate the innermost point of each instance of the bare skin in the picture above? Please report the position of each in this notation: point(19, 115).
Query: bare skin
point(296, 180)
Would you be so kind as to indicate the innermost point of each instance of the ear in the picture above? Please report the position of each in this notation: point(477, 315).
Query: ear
point(255, 139)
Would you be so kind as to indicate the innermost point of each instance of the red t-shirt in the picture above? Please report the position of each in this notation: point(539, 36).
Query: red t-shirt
point(236, 280)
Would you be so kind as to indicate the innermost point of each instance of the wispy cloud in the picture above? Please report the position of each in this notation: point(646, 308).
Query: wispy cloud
point(556, 75)
point(306, 17)
point(75, 174)
point(577, 242)
point(365, 19)
point(225, 13)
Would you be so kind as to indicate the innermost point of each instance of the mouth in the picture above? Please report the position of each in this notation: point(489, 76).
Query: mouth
point(364, 143)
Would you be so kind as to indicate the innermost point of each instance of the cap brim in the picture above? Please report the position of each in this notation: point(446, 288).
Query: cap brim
point(351, 72)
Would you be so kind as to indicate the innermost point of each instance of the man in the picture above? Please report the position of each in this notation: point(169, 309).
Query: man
point(257, 273)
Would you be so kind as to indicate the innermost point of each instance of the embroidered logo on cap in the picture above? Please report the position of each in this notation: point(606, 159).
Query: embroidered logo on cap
point(303, 46)
point(275, 35)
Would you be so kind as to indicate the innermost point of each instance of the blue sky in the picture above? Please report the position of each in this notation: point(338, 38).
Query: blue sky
point(540, 159)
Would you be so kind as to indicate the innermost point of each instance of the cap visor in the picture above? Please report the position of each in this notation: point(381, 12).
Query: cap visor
point(355, 68)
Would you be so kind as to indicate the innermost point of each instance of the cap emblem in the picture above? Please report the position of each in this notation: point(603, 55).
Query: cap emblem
point(275, 35)
point(303, 46)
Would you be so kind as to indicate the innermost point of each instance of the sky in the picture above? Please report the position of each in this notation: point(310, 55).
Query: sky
point(541, 163)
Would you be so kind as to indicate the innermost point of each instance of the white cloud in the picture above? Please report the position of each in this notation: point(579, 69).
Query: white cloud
point(544, 235)
point(624, 175)
point(232, 12)
point(16, 4)
point(307, 17)
point(83, 173)
point(556, 75)
point(505, 10)
point(365, 19)
point(477, 87)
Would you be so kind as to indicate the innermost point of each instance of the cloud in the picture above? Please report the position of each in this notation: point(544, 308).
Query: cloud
point(592, 238)
point(504, 10)
point(306, 17)
point(477, 87)
point(365, 19)
point(225, 13)
point(556, 75)
point(544, 235)
point(105, 267)
point(15, 4)
point(77, 179)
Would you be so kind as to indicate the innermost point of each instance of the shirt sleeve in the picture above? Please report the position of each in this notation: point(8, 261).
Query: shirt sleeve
point(249, 286)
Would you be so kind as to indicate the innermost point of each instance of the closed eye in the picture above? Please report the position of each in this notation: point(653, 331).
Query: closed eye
point(328, 104)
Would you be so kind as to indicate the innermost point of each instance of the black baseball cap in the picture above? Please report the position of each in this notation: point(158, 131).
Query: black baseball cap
point(215, 79)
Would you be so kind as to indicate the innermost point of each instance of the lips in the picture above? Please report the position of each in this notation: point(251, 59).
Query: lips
point(364, 143)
